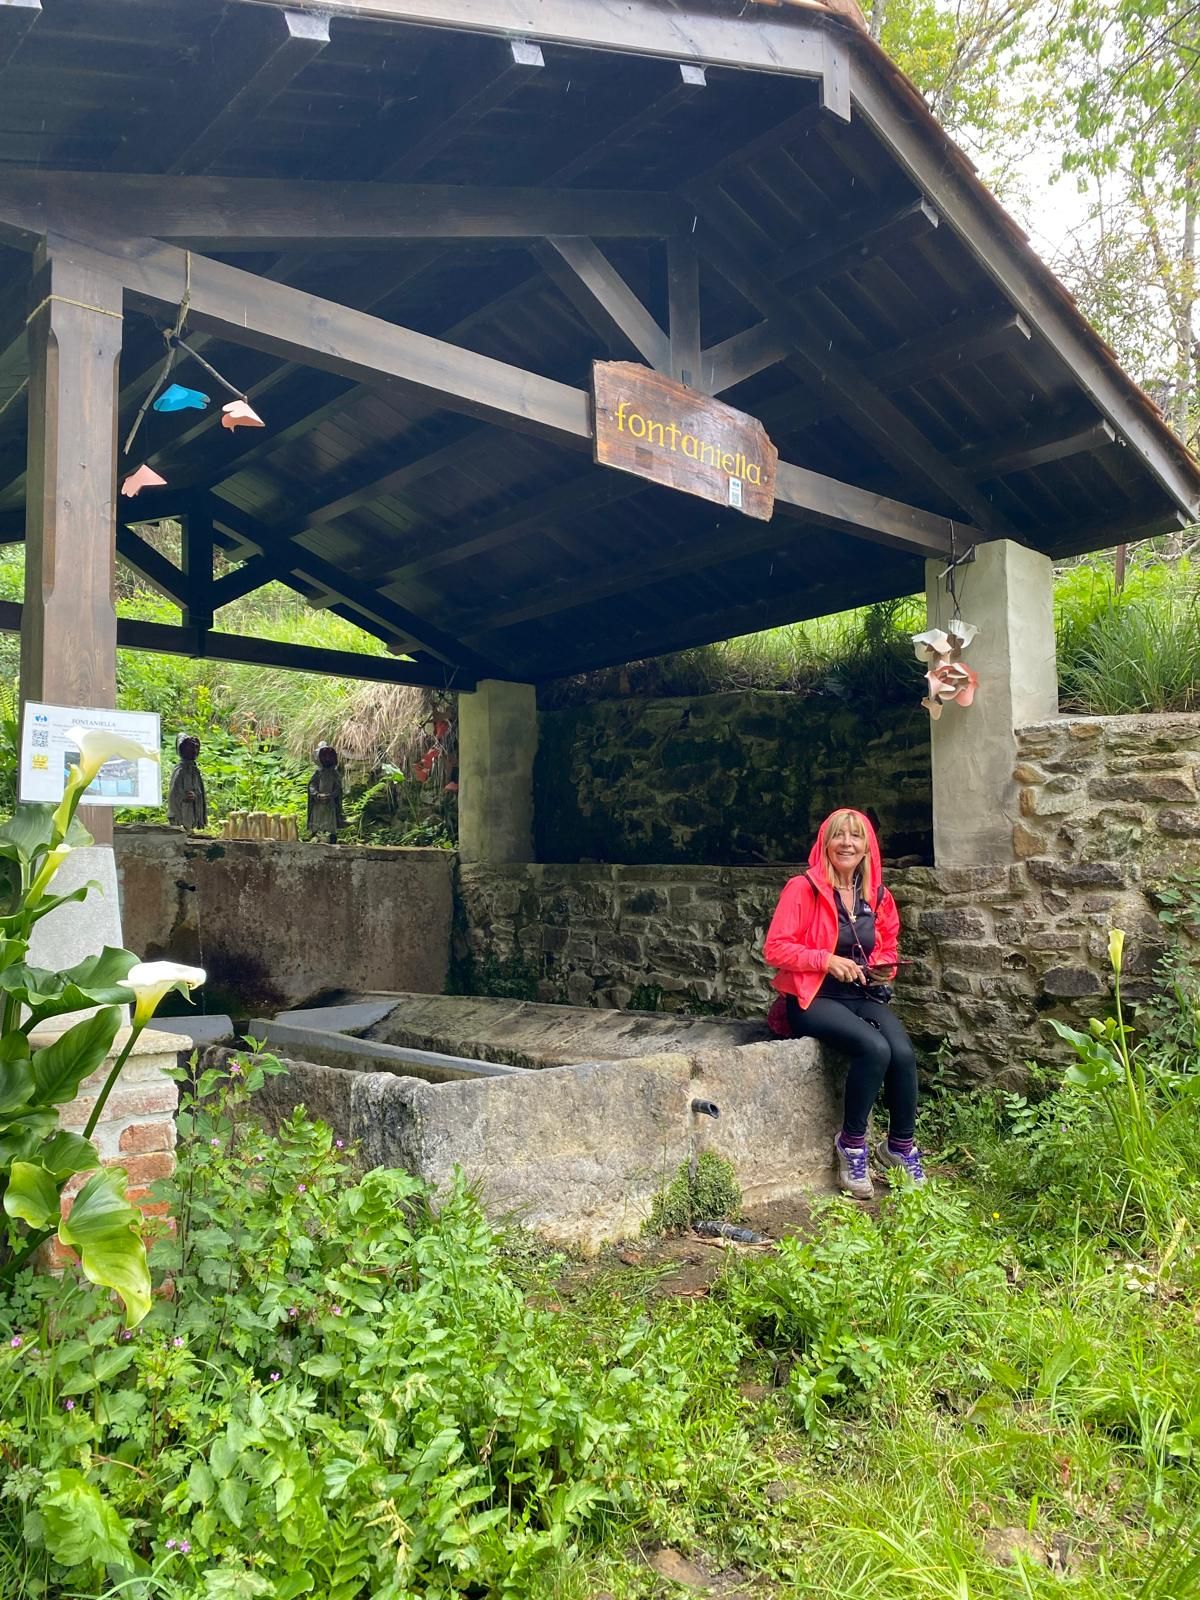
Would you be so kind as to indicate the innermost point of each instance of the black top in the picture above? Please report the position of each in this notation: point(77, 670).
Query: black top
point(855, 939)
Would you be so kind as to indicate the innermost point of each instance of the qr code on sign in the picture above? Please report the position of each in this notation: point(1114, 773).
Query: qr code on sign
point(40, 738)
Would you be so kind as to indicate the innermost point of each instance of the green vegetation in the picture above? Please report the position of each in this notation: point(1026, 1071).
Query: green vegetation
point(704, 1191)
point(985, 1390)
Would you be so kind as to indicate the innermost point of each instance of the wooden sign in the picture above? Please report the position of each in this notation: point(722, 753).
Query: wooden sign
point(658, 429)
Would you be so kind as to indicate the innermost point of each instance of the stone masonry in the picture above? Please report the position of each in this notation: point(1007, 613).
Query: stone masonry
point(1110, 814)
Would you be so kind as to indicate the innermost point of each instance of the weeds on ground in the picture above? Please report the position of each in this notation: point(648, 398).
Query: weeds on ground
point(706, 1190)
point(352, 1394)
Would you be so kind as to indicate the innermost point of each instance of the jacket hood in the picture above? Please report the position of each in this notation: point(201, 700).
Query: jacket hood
point(816, 856)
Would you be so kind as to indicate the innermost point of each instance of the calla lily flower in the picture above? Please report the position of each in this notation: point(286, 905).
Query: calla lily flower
point(152, 980)
point(97, 745)
point(50, 866)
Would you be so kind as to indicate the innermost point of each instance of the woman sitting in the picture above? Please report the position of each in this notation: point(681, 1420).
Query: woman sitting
point(833, 939)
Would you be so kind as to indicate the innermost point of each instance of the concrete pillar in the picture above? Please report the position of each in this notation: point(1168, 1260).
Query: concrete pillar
point(497, 741)
point(1008, 593)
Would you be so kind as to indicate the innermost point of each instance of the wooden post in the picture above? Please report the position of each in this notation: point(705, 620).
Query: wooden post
point(198, 568)
point(69, 625)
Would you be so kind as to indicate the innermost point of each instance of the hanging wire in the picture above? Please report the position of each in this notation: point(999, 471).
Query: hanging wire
point(170, 339)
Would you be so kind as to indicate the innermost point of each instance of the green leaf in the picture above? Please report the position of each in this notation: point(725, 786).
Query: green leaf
point(97, 981)
point(16, 1073)
point(105, 1231)
point(201, 1485)
point(29, 832)
point(61, 1067)
point(80, 1526)
point(322, 1366)
point(232, 1496)
point(66, 1153)
point(21, 1137)
point(32, 1195)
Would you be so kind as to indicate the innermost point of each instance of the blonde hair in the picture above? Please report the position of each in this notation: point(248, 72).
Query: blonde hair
point(850, 822)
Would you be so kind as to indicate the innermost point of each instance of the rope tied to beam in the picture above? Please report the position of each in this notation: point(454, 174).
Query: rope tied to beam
point(80, 305)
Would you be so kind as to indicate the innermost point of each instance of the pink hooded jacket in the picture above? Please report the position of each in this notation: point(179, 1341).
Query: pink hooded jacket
point(803, 932)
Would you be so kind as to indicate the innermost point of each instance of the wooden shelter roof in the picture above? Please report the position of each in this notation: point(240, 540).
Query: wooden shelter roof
point(756, 193)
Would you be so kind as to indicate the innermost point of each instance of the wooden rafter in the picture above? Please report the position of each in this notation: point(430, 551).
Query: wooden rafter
point(690, 79)
point(153, 568)
point(1053, 439)
point(683, 302)
point(260, 81)
point(888, 428)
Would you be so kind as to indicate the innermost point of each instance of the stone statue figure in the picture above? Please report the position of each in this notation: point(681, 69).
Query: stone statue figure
point(325, 814)
point(187, 804)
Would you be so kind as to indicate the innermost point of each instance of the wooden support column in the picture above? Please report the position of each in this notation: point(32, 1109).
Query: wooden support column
point(683, 288)
point(198, 568)
point(69, 625)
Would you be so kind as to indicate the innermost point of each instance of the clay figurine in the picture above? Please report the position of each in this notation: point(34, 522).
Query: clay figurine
point(187, 804)
point(325, 814)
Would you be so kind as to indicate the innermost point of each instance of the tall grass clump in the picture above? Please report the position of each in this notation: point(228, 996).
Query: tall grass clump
point(1128, 650)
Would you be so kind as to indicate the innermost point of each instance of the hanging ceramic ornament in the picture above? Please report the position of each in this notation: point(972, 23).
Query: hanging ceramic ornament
point(176, 398)
point(240, 414)
point(144, 478)
point(948, 680)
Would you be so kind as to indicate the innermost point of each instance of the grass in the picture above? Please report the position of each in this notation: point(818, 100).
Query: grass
point(983, 1390)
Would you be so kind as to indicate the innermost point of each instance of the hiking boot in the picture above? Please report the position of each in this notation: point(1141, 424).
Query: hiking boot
point(853, 1176)
point(910, 1164)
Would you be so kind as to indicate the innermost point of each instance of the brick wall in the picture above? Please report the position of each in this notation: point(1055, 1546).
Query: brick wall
point(1110, 814)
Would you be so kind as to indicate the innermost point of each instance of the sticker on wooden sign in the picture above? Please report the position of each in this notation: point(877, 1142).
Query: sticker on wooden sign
point(664, 432)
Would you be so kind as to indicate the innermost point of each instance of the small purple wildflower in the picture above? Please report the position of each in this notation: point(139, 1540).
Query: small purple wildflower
point(185, 1548)
point(216, 1143)
point(293, 1311)
point(127, 1334)
point(235, 1071)
point(275, 1377)
point(170, 1544)
point(177, 1343)
point(16, 1341)
point(336, 1310)
point(68, 1405)
point(339, 1144)
point(301, 1188)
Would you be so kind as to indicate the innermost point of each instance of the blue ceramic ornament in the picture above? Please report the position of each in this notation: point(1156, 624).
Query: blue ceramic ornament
point(176, 398)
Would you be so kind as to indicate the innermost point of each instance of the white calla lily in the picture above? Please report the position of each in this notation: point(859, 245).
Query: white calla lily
point(152, 980)
point(50, 866)
point(97, 745)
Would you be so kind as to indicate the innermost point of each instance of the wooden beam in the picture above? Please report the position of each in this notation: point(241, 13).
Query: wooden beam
point(603, 297)
point(733, 360)
point(884, 424)
point(869, 516)
point(228, 215)
point(683, 299)
point(17, 18)
point(1035, 446)
point(789, 42)
point(152, 567)
point(319, 333)
point(962, 342)
point(164, 639)
point(218, 123)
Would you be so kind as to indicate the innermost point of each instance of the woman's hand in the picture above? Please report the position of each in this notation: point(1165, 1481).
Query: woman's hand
point(845, 970)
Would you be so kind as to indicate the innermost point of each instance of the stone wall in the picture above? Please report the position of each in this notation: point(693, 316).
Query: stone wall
point(279, 924)
point(1111, 814)
point(726, 778)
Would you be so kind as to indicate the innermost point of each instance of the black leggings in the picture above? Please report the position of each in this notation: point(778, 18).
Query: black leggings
point(881, 1056)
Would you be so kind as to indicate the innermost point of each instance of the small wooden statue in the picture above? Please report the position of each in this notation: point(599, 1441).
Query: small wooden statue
point(325, 814)
point(187, 804)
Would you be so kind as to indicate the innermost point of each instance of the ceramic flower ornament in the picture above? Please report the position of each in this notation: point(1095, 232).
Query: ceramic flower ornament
point(144, 478)
point(240, 414)
point(151, 981)
point(947, 678)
